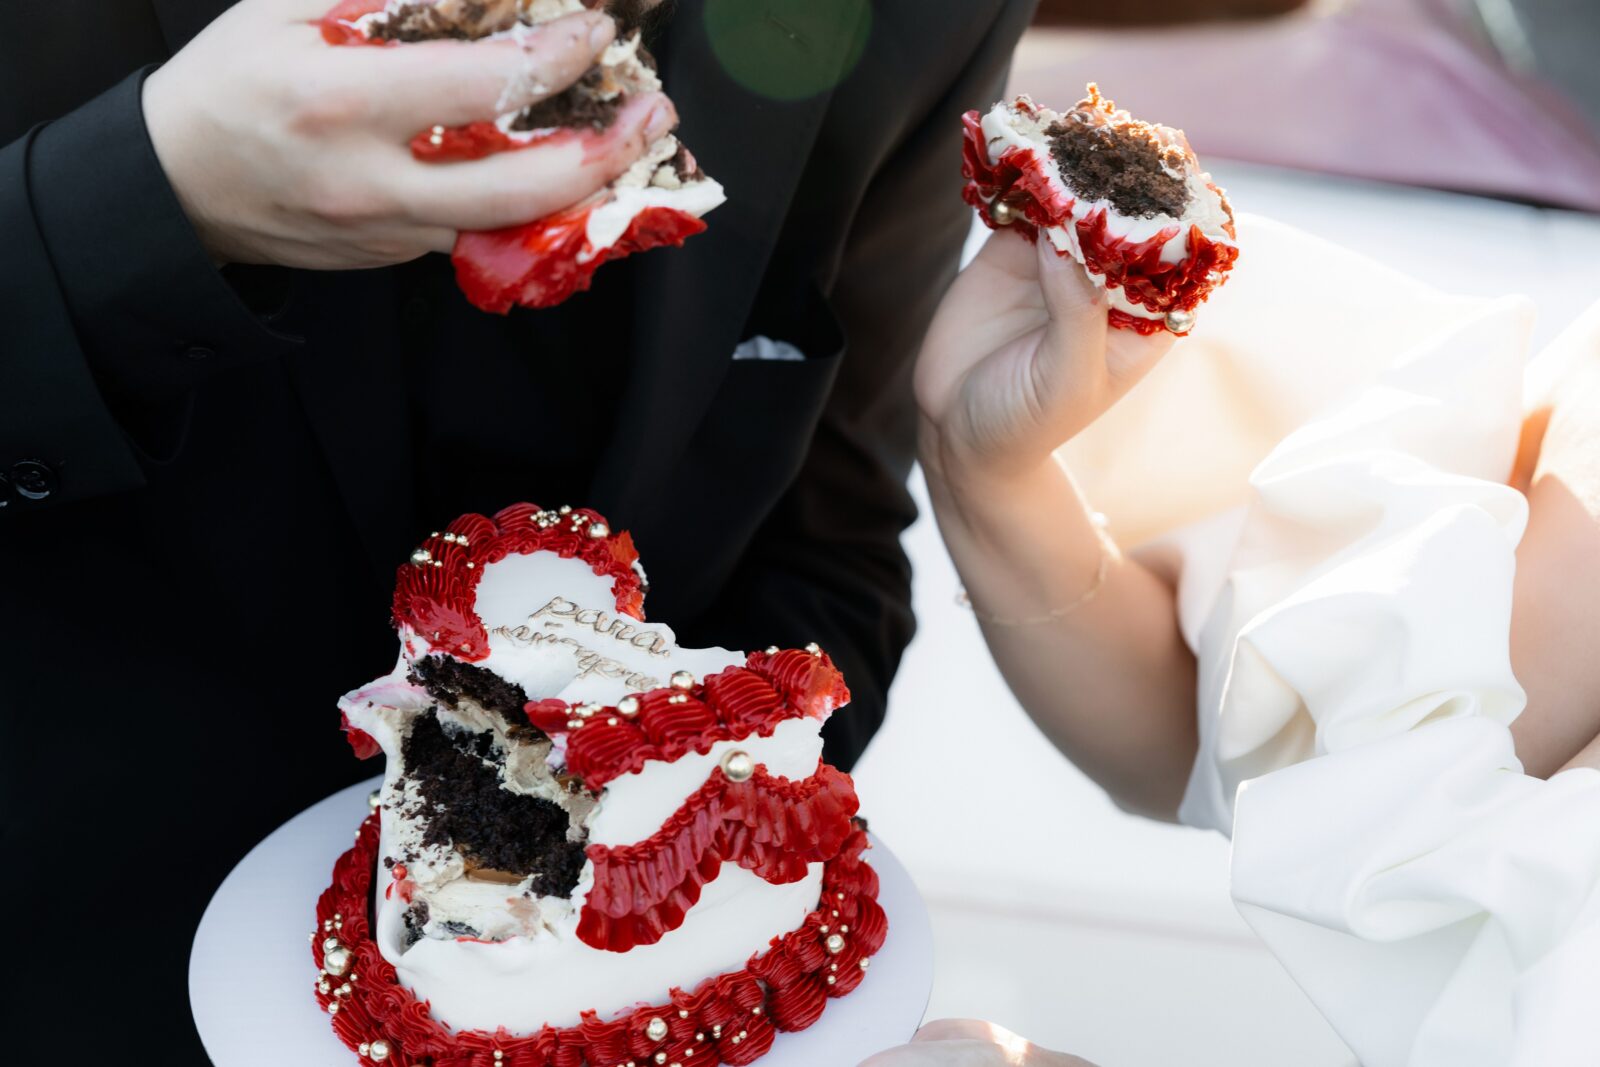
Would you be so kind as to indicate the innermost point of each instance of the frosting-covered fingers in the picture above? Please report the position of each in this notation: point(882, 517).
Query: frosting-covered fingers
point(452, 83)
point(514, 187)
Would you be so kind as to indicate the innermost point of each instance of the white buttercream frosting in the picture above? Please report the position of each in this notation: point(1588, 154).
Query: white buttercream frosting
point(650, 182)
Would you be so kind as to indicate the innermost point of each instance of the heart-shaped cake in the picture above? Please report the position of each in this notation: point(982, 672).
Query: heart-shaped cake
point(592, 845)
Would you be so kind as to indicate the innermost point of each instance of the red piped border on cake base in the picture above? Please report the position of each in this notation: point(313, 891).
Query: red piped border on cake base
point(730, 1018)
point(435, 592)
point(605, 742)
point(1024, 183)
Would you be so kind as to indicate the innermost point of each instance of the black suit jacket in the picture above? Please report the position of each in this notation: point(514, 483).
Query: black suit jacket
point(208, 477)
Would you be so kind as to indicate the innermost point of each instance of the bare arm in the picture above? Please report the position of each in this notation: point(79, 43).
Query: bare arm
point(1020, 359)
point(1555, 620)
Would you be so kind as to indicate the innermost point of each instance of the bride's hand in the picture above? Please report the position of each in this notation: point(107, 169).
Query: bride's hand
point(1019, 359)
point(968, 1043)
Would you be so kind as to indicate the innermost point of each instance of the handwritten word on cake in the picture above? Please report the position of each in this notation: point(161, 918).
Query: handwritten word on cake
point(545, 626)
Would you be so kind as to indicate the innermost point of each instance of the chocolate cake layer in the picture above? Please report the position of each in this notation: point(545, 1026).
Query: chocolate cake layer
point(578, 105)
point(448, 680)
point(685, 166)
point(1126, 163)
point(417, 22)
point(465, 807)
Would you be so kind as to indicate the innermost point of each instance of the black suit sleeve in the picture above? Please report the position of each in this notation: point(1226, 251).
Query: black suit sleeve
point(827, 566)
point(113, 310)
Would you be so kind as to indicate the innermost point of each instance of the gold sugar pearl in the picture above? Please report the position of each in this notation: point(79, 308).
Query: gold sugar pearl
point(738, 766)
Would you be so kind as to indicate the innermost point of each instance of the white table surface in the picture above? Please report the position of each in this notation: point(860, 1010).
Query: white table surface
point(250, 970)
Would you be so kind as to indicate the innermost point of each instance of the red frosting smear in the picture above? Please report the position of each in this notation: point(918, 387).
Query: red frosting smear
point(670, 723)
point(362, 743)
point(435, 596)
point(478, 140)
point(1024, 182)
point(770, 826)
point(542, 263)
point(338, 25)
point(729, 1018)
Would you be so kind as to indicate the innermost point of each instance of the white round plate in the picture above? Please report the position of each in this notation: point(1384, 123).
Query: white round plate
point(250, 971)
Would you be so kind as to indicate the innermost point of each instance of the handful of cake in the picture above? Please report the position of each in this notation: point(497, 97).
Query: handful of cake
point(658, 201)
point(591, 846)
point(1127, 199)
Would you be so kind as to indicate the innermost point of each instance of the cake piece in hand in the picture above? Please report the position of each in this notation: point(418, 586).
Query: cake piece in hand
point(659, 201)
point(1125, 198)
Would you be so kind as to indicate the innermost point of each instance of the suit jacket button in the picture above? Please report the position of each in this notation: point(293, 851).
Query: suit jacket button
point(32, 479)
point(198, 352)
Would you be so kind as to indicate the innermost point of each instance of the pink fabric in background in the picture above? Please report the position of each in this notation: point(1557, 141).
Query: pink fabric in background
point(1392, 90)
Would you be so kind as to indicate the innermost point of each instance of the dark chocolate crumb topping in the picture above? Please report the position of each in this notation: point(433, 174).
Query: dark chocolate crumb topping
point(1125, 163)
point(465, 807)
point(414, 919)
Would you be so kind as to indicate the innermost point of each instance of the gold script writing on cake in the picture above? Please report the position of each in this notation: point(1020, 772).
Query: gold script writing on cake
point(602, 624)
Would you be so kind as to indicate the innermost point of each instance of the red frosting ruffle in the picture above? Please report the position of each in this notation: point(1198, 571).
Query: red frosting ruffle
point(730, 1018)
point(542, 263)
point(770, 826)
point(1026, 184)
point(603, 744)
point(435, 593)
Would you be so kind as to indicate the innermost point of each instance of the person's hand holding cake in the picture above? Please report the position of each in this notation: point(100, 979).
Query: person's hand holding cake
point(1109, 236)
point(318, 173)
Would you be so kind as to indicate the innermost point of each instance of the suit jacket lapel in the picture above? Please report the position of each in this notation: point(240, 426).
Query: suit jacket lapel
point(691, 303)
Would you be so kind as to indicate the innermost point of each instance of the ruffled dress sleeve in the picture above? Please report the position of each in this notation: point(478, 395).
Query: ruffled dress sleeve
point(1347, 587)
point(1439, 906)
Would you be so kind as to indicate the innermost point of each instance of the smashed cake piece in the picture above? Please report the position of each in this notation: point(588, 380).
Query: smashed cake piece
point(659, 201)
point(1127, 199)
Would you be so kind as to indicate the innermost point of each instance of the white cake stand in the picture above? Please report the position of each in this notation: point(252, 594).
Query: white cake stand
point(250, 971)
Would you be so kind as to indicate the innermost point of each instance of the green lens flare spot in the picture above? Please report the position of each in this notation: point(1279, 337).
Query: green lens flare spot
point(788, 49)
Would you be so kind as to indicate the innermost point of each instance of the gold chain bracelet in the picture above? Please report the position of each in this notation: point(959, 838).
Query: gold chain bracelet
point(1108, 553)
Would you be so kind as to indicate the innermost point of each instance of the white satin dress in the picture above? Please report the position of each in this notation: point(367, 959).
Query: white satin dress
point(1326, 464)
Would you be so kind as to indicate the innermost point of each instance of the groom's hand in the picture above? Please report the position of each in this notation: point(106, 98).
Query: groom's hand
point(1019, 359)
point(969, 1043)
point(283, 149)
